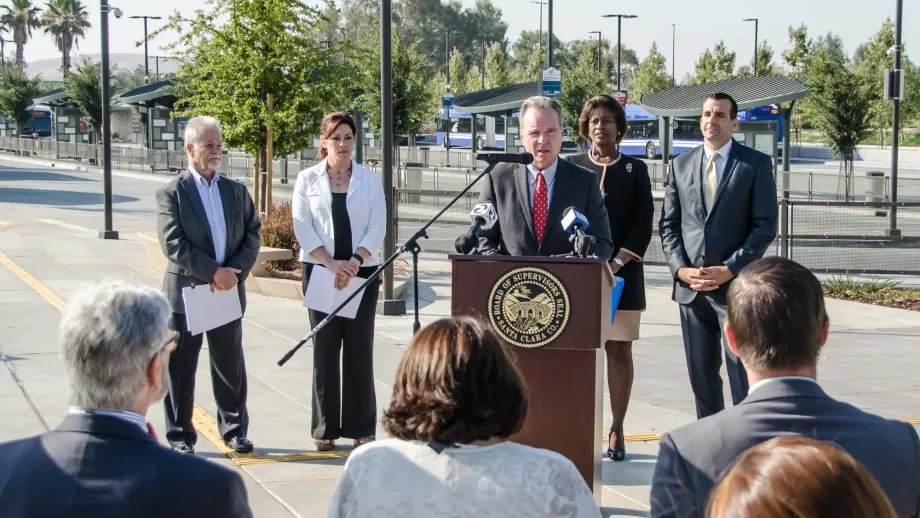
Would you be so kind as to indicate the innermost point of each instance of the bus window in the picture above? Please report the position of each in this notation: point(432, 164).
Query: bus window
point(480, 124)
point(499, 125)
point(644, 129)
point(464, 125)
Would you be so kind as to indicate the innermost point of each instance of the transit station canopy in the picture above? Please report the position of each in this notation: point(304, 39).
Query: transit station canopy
point(155, 93)
point(57, 95)
point(496, 101)
point(748, 92)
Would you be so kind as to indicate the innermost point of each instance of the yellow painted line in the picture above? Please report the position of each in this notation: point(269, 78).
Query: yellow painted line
point(45, 292)
point(912, 420)
point(637, 438)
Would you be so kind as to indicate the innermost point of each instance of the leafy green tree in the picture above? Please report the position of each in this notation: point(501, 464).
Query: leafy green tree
point(796, 57)
point(239, 51)
point(462, 80)
point(20, 18)
point(870, 63)
point(16, 93)
point(578, 85)
point(652, 74)
point(84, 87)
point(833, 43)
point(715, 65)
point(497, 67)
point(529, 57)
point(765, 66)
point(704, 71)
point(66, 21)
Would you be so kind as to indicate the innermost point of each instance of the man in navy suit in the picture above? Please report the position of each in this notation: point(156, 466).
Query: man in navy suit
point(104, 459)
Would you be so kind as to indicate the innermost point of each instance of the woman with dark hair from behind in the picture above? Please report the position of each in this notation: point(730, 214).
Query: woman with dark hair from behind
point(456, 400)
point(627, 194)
point(797, 477)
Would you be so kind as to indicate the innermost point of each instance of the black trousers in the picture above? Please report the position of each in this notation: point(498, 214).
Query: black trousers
point(702, 321)
point(228, 378)
point(346, 405)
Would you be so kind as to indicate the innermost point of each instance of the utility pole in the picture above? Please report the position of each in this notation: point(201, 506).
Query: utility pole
point(598, 49)
point(483, 71)
point(756, 27)
point(673, 53)
point(549, 31)
point(390, 306)
point(896, 121)
point(146, 59)
point(108, 232)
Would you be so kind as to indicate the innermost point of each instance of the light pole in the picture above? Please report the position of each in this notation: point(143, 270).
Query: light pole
point(598, 49)
point(541, 4)
point(104, 8)
point(756, 27)
point(673, 52)
point(619, 18)
point(146, 59)
point(549, 32)
point(896, 122)
point(156, 70)
point(483, 71)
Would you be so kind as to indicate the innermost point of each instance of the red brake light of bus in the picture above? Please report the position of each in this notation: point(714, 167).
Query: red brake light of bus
point(774, 111)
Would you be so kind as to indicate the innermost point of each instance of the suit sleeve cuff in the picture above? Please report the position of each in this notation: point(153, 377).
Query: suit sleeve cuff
point(635, 256)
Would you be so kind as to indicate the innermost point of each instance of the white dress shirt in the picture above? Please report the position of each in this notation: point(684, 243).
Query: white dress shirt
point(721, 161)
point(126, 416)
point(214, 208)
point(767, 381)
point(549, 176)
point(312, 210)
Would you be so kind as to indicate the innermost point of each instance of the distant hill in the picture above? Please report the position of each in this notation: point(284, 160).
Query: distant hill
point(50, 68)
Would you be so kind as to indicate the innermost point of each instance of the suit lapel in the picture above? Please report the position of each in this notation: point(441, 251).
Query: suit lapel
point(522, 187)
point(321, 183)
point(230, 211)
point(187, 184)
point(729, 170)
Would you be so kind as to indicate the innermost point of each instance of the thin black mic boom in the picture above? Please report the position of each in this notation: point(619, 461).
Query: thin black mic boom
point(506, 158)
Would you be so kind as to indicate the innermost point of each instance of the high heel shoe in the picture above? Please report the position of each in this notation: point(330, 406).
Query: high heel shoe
point(615, 455)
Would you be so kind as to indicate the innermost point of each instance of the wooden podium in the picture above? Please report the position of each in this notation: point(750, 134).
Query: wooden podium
point(554, 312)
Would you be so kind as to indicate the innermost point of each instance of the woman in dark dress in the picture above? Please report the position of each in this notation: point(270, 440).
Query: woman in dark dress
point(627, 194)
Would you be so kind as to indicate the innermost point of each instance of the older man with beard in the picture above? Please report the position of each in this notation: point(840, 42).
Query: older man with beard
point(210, 232)
point(104, 459)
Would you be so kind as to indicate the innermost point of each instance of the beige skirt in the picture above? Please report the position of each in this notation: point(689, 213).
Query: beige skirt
point(625, 326)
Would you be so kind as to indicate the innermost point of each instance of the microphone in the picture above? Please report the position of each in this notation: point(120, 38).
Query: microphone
point(575, 223)
point(505, 158)
point(483, 216)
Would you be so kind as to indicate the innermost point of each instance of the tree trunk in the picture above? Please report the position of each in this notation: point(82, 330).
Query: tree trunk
point(65, 58)
point(20, 60)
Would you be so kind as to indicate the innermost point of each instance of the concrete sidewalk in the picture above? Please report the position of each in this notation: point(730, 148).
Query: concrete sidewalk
point(49, 248)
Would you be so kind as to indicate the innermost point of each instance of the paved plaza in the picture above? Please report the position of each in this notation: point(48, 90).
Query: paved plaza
point(48, 249)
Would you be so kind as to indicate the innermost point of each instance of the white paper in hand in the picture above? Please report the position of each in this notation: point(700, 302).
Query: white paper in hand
point(322, 296)
point(205, 310)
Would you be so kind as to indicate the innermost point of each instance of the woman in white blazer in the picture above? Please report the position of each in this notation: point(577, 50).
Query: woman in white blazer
point(340, 221)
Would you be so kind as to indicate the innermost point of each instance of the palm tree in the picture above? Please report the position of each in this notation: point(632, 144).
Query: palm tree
point(65, 21)
point(20, 19)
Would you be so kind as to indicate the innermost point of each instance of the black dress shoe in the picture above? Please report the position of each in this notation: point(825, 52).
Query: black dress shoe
point(240, 444)
point(185, 448)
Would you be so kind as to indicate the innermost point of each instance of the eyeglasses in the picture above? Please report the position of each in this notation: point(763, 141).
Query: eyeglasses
point(172, 343)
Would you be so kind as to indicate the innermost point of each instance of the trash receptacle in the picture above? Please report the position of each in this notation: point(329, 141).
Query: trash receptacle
point(413, 180)
point(875, 191)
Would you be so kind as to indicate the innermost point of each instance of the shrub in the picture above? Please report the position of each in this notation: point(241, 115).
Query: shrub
point(278, 232)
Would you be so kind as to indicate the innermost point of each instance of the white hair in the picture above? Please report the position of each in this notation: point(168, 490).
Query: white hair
point(198, 125)
point(543, 103)
point(110, 332)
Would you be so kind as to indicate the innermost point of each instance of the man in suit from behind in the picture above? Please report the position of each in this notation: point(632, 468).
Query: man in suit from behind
point(777, 325)
point(719, 215)
point(104, 459)
point(530, 200)
point(210, 232)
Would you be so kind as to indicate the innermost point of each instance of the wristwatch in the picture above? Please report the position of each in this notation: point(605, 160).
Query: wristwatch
point(619, 262)
point(359, 258)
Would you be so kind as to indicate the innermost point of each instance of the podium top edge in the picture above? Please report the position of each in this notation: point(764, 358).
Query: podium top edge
point(527, 259)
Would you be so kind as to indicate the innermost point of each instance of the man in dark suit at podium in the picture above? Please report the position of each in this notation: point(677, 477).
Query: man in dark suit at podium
point(530, 200)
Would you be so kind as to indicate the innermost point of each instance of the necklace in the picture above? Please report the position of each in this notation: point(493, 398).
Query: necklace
point(596, 158)
point(339, 179)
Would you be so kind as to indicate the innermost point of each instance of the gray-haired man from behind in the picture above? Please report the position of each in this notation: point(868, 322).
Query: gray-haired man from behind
point(210, 232)
point(104, 460)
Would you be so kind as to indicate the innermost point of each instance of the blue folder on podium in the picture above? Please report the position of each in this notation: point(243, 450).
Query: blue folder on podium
point(616, 292)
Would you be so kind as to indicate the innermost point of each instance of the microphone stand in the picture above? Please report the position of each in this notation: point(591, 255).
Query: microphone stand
point(411, 245)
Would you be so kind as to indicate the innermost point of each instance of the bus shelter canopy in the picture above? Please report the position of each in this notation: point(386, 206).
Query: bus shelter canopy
point(160, 93)
point(497, 101)
point(748, 92)
point(56, 96)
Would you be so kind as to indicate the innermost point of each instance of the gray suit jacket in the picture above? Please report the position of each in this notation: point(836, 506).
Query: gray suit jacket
point(94, 466)
point(507, 188)
point(185, 235)
point(691, 458)
point(739, 228)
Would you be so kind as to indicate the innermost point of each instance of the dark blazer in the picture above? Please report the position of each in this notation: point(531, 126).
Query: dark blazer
point(692, 457)
point(739, 228)
point(185, 235)
point(94, 466)
point(507, 188)
point(630, 209)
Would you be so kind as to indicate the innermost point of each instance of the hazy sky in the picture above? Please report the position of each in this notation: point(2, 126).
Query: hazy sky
point(701, 23)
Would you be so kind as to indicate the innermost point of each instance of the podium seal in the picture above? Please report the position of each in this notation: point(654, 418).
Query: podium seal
point(529, 307)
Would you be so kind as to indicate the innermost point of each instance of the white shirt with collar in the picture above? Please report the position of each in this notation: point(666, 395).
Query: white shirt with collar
point(721, 161)
point(126, 416)
point(312, 210)
point(549, 176)
point(767, 381)
point(214, 208)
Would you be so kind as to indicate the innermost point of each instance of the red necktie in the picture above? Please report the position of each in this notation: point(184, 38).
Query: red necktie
point(152, 432)
point(540, 208)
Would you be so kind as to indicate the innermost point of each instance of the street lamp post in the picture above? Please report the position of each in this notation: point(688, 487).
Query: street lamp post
point(619, 18)
point(756, 27)
point(146, 59)
point(156, 70)
point(673, 52)
point(109, 232)
point(540, 43)
point(482, 72)
point(896, 123)
point(598, 49)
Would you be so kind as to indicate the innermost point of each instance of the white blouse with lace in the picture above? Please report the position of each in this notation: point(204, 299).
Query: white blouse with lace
point(406, 479)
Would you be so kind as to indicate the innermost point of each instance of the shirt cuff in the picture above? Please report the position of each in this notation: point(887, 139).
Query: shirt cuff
point(636, 256)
